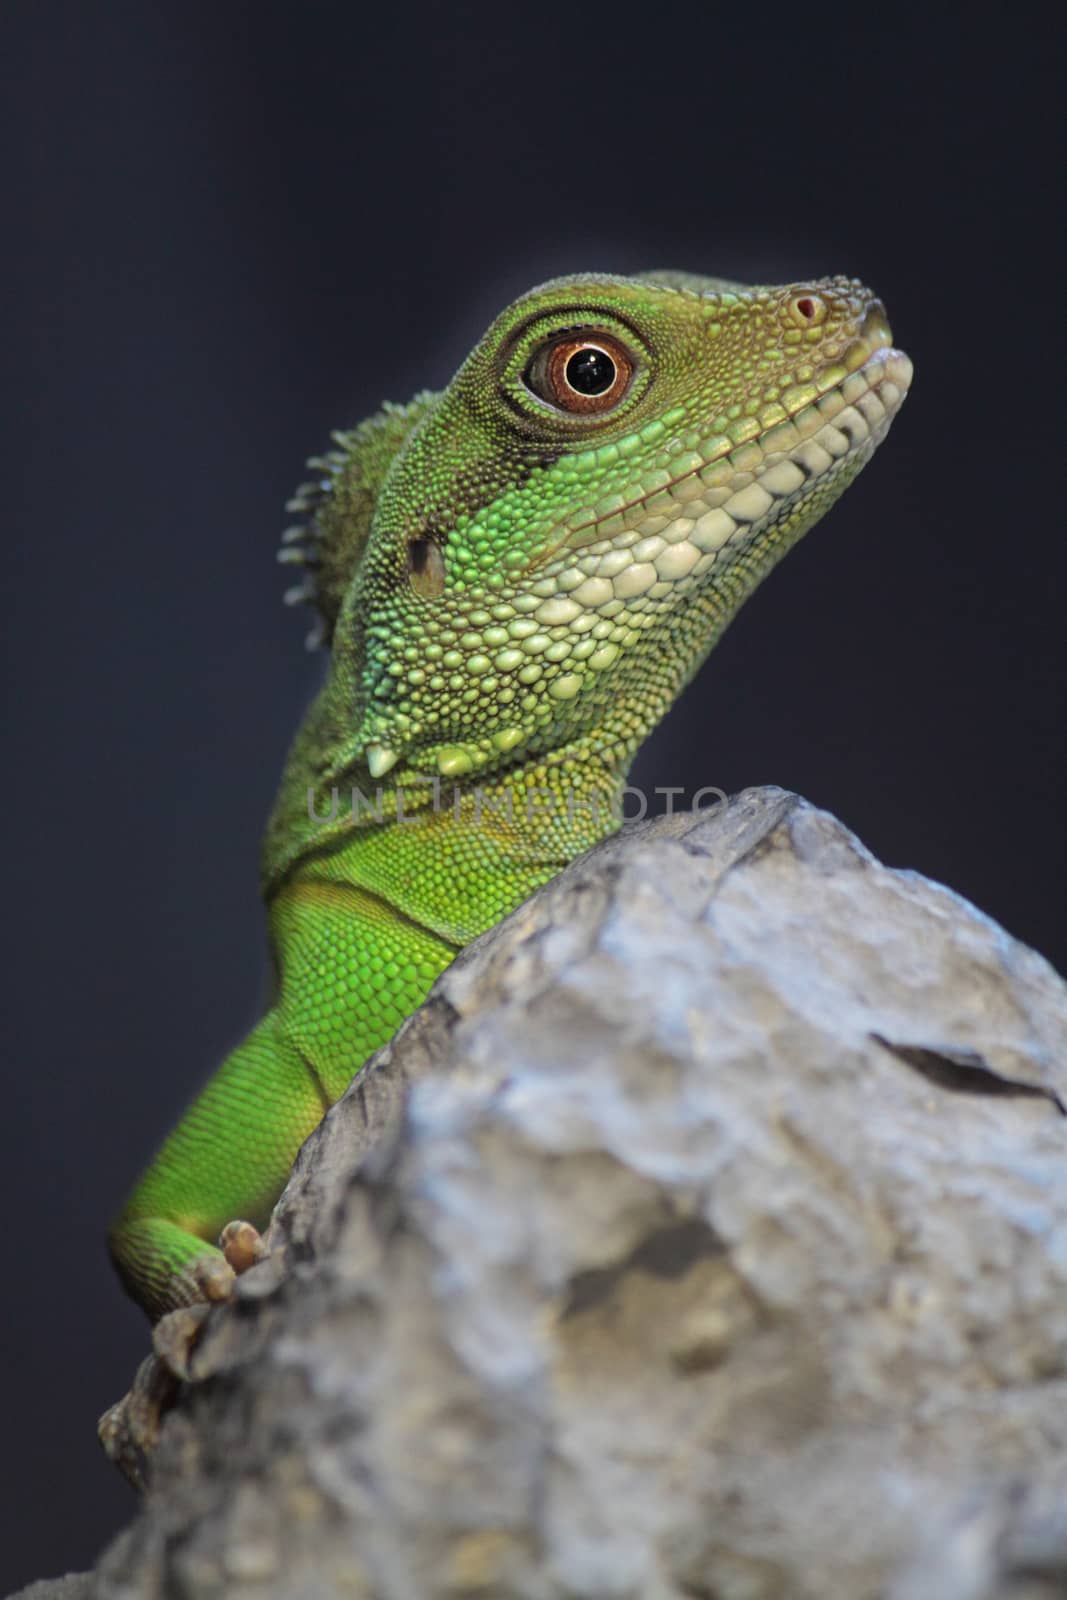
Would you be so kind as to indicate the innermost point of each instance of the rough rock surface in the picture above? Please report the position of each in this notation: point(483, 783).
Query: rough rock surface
point(75, 1586)
point(703, 1237)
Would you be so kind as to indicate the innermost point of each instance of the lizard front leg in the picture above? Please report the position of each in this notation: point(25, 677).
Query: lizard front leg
point(229, 1157)
point(350, 973)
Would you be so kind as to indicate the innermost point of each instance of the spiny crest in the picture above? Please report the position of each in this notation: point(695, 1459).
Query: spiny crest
point(338, 504)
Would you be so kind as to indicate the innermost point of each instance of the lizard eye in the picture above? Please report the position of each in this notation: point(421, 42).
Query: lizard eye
point(580, 373)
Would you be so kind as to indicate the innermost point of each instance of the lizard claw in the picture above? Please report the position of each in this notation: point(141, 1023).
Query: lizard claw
point(210, 1279)
point(175, 1336)
point(242, 1246)
point(129, 1430)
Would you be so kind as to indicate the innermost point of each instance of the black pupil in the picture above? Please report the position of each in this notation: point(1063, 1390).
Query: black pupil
point(590, 371)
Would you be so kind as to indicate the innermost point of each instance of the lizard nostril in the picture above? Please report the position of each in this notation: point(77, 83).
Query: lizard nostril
point(807, 309)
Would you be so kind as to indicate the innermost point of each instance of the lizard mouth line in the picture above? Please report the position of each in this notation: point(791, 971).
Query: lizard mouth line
point(744, 480)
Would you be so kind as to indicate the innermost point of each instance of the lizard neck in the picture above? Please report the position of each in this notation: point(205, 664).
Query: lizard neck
point(456, 856)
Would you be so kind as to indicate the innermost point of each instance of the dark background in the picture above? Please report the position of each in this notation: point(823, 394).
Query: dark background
point(229, 228)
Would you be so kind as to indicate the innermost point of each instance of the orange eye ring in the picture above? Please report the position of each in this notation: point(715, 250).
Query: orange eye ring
point(585, 374)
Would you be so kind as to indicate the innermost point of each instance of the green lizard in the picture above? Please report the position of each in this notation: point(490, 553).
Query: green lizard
point(515, 577)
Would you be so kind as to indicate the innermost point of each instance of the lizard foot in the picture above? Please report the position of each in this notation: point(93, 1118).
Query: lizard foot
point(210, 1277)
point(129, 1430)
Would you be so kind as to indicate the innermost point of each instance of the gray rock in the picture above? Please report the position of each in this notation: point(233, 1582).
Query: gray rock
point(75, 1586)
point(704, 1235)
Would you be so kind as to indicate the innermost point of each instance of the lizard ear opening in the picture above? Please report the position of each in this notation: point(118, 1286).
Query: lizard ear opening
point(426, 568)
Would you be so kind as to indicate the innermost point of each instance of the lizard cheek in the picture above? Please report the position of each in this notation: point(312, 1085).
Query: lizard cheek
point(426, 568)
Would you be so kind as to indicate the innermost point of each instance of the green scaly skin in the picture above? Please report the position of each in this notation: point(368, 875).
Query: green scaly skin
point(514, 592)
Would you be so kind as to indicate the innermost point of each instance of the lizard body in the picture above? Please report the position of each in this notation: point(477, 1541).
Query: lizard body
point(515, 576)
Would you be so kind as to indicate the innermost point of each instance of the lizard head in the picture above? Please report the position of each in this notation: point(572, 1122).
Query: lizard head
point(543, 553)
